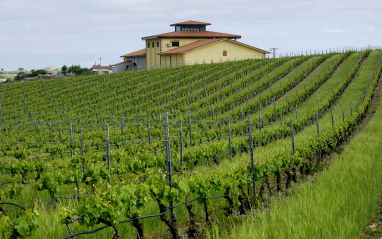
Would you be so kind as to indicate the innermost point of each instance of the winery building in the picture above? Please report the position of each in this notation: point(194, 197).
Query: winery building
point(190, 43)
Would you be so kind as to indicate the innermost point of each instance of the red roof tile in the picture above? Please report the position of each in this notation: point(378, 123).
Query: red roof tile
point(141, 52)
point(120, 63)
point(102, 68)
point(201, 43)
point(190, 22)
point(190, 46)
point(193, 34)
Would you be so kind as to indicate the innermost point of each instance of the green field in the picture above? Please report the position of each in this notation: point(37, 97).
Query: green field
point(216, 144)
point(7, 76)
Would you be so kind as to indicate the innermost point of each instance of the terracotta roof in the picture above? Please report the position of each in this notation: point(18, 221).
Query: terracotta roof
point(190, 46)
point(141, 52)
point(102, 68)
point(193, 34)
point(117, 64)
point(190, 22)
point(201, 43)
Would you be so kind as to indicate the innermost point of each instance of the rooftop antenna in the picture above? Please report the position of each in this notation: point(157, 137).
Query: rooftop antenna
point(100, 61)
point(273, 50)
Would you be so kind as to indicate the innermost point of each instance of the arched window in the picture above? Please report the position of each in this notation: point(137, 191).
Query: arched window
point(224, 53)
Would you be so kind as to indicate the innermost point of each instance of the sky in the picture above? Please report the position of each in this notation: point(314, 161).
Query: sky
point(39, 33)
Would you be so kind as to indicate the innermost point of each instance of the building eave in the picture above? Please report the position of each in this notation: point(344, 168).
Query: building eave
point(213, 42)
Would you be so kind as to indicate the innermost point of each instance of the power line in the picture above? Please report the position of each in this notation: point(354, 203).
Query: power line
point(273, 50)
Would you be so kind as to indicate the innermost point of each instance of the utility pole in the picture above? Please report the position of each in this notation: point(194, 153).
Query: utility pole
point(273, 50)
point(100, 61)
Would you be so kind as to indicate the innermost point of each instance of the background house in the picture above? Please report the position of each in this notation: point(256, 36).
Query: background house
point(132, 61)
point(99, 70)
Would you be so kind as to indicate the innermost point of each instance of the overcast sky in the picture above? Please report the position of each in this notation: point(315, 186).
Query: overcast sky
point(39, 33)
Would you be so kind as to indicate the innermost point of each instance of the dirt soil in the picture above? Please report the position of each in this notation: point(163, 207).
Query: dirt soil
point(374, 229)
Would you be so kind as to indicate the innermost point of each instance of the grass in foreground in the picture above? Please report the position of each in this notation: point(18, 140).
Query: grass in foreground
point(338, 204)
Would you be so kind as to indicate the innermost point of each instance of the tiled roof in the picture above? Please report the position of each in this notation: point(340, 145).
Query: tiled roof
point(193, 34)
point(120, 63)
point(141, 52)
point(190, 46)
point(102, 68)
point(201, 43)
point(190, 22)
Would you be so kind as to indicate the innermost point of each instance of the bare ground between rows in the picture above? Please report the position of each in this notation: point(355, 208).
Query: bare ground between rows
point(374, 229)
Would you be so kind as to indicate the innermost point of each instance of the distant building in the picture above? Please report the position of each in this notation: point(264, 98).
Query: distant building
point(99, 70)
point(21, 69)
point(52, 68)
point(58, 75)
point(132, 61)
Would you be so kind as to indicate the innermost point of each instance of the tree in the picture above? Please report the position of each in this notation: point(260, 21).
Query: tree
point(21, 76)
point(76, 69)
point(64, 69)
point(37, 72)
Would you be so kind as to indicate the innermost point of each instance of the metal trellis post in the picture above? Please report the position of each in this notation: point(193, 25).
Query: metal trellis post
point(292, 135)
point(181, 143)
point(229, 140)
point(108, 151)
point(169, 166)
point(189, 126)
point(318, 125)
point(252, 159)
point(71, 137)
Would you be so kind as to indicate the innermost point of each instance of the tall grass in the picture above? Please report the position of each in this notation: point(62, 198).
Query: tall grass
point(337, 204)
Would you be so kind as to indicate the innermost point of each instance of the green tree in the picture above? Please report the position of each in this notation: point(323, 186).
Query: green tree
point(78, 70)
point(64, 69)
point(20, 76)
point(37, 72)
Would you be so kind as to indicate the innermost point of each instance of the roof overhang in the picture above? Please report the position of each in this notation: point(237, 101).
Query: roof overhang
point(192, 34)
point(214, 42)
point(139, 53)
point(181, 37)
point(150, 37)
point(190, 22)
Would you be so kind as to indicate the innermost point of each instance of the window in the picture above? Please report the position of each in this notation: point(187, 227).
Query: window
point(191, 28)
point(175, 43)
point(224, 53)
point(153, 44)
point(158, 44)
point(148, 45)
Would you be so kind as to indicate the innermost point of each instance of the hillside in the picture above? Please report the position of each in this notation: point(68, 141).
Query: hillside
point(180, 150)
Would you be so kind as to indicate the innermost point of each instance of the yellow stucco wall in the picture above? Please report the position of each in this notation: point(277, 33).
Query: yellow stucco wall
point(182, 42)
point(214, 52)
point(152, 57)
point(172, 60)
point(153, 60)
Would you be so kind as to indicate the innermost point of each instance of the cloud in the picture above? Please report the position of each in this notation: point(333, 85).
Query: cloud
point(334, 31)
point(39, 33)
